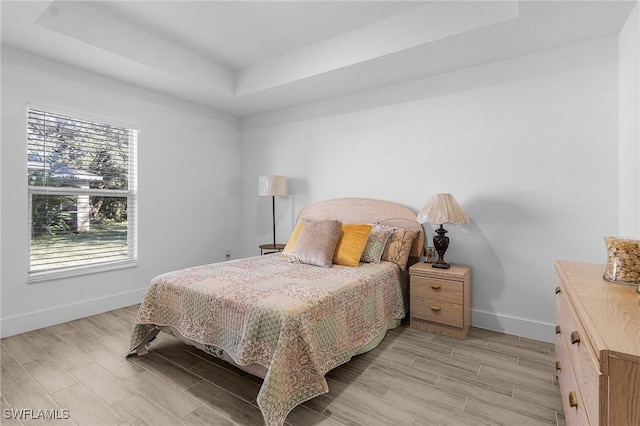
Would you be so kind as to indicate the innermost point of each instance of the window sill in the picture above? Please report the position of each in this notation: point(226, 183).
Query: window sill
point(39, 276)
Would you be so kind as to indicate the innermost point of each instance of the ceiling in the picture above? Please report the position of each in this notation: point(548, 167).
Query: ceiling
point(249, 57)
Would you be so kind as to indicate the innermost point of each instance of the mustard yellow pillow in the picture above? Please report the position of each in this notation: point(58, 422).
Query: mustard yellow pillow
point(353, 239)
point(293, 239)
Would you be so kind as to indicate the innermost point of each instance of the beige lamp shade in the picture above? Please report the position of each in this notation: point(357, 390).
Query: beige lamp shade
point(442, 208)
point(272, 185)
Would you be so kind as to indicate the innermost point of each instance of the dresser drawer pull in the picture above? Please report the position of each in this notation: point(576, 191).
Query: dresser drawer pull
point(557, 329)
point(435, 286)
point(557, 365)
point(558, 290)
point(573, 400)
point(575, 337)
point(435, 308)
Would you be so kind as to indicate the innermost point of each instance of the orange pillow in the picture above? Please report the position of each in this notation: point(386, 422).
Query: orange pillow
point(293, 239)
point(353, 239)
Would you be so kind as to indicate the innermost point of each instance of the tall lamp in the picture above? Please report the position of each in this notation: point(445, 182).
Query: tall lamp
point(271, 186)
point(442, 208)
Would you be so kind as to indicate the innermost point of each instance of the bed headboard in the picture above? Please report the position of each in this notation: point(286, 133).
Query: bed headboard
point(365, 210)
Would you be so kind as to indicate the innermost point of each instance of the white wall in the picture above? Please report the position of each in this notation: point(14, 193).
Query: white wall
point(527, 146)
point(189, 173)
point(629, 107)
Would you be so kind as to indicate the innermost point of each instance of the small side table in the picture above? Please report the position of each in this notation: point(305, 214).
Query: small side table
point(271, 248)
point(440, 299)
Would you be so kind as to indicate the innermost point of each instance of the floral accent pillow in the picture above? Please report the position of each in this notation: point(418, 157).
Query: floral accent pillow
point(399, 244)
point(375, 246)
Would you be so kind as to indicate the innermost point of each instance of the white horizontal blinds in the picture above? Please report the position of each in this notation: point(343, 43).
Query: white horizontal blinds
point(58, 143)
point(66, 246)
point(82, 196)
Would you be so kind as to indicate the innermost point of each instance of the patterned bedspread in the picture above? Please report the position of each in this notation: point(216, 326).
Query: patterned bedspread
point(298, 321)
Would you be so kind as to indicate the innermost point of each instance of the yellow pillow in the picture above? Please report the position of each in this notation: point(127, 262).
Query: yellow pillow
point(293, 239)
point(353, 239)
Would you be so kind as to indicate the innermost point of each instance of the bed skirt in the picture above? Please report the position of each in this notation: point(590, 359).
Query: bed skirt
point(257, 369)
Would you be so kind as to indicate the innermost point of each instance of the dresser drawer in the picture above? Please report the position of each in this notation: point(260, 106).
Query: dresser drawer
point(586, 368)
point(435, 289)
point(604, 351)
point(572, 401)
point(575, 341)
point(437, 311)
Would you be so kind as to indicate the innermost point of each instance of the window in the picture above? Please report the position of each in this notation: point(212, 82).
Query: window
point(82, 195)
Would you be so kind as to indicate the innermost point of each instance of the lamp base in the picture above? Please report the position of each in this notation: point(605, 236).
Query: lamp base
point(441, 243)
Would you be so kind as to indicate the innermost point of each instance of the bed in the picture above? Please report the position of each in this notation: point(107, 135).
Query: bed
point(285, 317)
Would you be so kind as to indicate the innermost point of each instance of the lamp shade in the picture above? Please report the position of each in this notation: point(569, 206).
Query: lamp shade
point(442, 208)
point(272, 185)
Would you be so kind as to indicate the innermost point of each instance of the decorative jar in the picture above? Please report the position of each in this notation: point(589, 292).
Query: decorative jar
point(623, 260)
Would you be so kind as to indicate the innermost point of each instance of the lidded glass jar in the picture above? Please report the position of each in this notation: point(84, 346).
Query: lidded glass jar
point(623, 260)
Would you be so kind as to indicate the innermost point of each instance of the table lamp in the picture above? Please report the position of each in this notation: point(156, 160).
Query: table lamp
point(442, 208)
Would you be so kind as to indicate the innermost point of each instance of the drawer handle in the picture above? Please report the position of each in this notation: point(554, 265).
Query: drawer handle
point(575, 337)
point(557, 365)
point(435, 286)
point(573, 400)
point(557, 329)
point(558, 290)
point(435, 308)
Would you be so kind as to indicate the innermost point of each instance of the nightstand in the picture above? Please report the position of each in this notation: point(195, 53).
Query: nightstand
point(440, 299)
point(271, 248)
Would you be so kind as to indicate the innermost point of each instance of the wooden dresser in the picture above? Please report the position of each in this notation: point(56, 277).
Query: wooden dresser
point(597, 346)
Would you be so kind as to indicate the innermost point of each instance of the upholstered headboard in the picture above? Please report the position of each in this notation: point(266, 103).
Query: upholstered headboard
point(365, 210)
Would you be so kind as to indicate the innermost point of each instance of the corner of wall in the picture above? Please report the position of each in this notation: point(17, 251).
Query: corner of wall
point(629, 125)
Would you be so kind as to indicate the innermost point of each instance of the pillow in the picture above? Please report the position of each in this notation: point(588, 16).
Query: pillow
point(376, 243)
point(353, 239)
point(399, 244)
point(293, 239)
point(317, 243)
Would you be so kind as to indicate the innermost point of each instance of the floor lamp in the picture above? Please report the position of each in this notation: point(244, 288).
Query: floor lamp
point(271, 186)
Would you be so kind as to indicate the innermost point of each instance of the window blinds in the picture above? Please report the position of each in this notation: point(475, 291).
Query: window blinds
point(82, 193)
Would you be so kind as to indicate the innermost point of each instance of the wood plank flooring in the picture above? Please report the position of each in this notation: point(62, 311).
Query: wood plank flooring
point(412, 378)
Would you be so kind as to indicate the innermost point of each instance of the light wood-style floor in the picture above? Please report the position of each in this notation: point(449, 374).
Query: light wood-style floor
point(412, 378)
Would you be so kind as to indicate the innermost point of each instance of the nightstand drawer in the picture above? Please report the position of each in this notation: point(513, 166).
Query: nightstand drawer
point(437, 311)
point(435, 289)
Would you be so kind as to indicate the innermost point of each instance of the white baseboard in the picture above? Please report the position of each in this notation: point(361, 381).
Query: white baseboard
point(513, 325)
point(59, 314)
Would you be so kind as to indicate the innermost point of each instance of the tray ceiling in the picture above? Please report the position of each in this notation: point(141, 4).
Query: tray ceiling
point(248, 57)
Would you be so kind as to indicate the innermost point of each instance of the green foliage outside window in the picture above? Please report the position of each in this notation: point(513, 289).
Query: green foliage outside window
point(81, 192)
point(58, 145)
